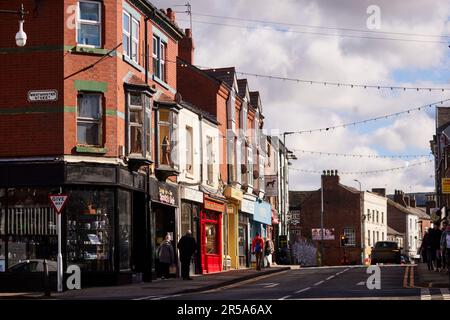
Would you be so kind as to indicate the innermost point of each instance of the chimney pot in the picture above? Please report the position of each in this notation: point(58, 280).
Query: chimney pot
point(188, 33)
point(171, 15)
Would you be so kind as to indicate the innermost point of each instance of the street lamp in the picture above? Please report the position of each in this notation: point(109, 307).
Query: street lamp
point(21, 36)
point(363, 231)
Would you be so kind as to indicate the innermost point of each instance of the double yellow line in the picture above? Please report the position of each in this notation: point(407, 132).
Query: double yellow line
point(409, 270)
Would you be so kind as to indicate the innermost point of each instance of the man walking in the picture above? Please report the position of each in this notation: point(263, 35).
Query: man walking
point(257, 249)
point(187, 246)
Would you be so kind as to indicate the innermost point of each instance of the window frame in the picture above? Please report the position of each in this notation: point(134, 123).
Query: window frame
point(80, 21)
point(160, 57)
point(99, 121)
point(173, 131)
point(189, 150)
point(209, 161)
point(146, 112)
point(126, 52)
point(350, 235)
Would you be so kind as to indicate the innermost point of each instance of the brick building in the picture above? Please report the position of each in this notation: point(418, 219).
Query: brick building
point(341, 214)
point(90, 109)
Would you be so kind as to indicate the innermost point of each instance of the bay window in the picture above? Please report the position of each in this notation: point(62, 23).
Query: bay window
point(139, 124)
point(89, 23)
point(89, 119)
point(168, 137)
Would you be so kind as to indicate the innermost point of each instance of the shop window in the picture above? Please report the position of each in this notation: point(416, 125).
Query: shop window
point(168, 138)
point(89, 119)
point(211, 238)
point(89, 23)
point(186, 217)
point(124, 229)
point(90, 229)
point(139, 124)
point(2, 229)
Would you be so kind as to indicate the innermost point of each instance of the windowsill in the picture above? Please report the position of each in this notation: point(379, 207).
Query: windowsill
point(133, 63)
point(79, 48)
point(91, 149)
point(189, 176)
point(161, 82)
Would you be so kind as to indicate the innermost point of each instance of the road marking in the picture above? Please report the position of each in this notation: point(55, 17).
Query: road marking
point(165, 297)
point(361, 283)
point(303, 290)
point(425, 294)
point(330, 277)
point(405, 277)
point(272, 285)
point(319, 283)
point(145, 298)
point(284, 298)
point(445, 294)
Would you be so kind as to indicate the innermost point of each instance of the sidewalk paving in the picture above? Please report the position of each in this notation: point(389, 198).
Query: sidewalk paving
point(156, 288)
point(431, 279)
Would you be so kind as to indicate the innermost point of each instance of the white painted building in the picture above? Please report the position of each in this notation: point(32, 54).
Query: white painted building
point(374, 210)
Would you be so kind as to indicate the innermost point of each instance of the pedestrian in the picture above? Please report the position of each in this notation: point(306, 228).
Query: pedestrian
point(268, 251)
point(423, 246)
point(433, 247)
point(257, 249)
point(445, 244)
point(166, 256)
point(187, 246)
point(444, 250)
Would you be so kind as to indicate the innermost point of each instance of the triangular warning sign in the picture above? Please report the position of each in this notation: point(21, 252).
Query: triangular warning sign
point(58, 201)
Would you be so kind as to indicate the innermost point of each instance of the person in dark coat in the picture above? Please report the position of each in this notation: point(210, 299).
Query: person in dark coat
point(187, 246)
point(166, 257)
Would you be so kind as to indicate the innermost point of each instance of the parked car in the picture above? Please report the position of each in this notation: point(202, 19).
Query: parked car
point(33, 265)
point(405, 259)
point(385, 252)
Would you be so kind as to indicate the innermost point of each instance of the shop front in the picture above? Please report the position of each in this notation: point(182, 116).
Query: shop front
point(260, 221)
point(247, 209)
point(164, 205)
point(191, 202)
point(234, 197)
point(211, 233)
point(97, 228)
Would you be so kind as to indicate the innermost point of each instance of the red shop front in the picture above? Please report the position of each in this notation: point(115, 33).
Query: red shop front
point(211, 234)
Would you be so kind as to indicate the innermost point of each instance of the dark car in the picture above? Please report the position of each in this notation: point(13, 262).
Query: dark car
point(386, 252)
point(33, 265)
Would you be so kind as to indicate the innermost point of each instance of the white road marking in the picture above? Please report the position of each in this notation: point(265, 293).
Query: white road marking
point(425, 294)
point(284, 298)
point(361, 283)
point(330, 277)
point(303, 290)
point(272, 285)
point(319, 283)
point(445, 294)
point(145, 298)
point(165, 297)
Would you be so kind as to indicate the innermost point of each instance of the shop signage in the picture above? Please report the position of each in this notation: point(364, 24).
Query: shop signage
point(247, 206)
point(166, 196)
point(233, 193)
point(271, 184)
point(58, 201)
point(191, 194)
point(263, 212)
point(213, 205)
point(328, 234)
point(445, 185)
point(42, 95)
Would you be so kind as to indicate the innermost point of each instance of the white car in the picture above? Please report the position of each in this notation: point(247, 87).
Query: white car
point(33, 265)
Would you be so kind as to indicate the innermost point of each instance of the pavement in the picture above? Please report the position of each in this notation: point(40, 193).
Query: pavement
point(431, 279)
point(156, 288)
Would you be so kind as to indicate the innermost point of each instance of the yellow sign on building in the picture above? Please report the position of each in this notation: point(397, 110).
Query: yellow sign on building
point(445, 185)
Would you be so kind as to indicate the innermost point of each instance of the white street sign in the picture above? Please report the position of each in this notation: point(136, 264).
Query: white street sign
point(42, 95)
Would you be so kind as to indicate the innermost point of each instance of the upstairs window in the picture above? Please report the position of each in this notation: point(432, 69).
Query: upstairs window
point(89, 119)
point(130, 40)
point(168, 137)
point(351, 235)
point(139, 124)
point(89, 23)
point(189, 150)
point(159, 57)
point(210, 161)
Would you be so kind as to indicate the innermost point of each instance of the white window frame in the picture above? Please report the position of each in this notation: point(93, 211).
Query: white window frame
point(250, 166)
point(160, 57)
point(141, 109)
point(95, 23)
point(350, 233)
point(127, 50)
point(99, 121)
point(189, 150)
point(209, 160)
point(134, 40)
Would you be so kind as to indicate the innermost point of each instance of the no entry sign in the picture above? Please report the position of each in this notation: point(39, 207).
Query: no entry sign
point(58, 201)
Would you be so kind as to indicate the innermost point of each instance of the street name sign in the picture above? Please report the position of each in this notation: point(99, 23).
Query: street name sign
point(42, 95)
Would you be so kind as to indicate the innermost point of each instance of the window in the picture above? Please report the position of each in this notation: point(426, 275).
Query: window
point(168, 137)
point(378, 236)
point(377, 216)
point(231, 153)
point(244, 119)
point(139, 124)
point(239, 162)
point(189, 150)
point(373, 234)
point(373, 215)
point(410, 224)
point(89, 119)
point(250, 166)
point(382, 217)
point(159, 57)
point(130, 40)
point(368, 237)
point(350, 234)
point(210, 160)
point(382, 236)
point(89, 23)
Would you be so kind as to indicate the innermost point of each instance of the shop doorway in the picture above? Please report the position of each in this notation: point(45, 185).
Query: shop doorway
point(164, 224)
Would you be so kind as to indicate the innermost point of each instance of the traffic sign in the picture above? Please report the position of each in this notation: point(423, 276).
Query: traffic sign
point(58, 201)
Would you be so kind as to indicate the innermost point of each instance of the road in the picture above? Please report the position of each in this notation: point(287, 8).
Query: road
point(337, 283)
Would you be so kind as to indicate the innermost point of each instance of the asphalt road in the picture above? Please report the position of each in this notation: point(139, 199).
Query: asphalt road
point(348, 282)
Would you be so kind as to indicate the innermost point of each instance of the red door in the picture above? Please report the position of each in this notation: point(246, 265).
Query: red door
point(211, 250)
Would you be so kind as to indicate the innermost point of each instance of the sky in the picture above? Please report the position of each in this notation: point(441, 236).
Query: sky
point(292, 51)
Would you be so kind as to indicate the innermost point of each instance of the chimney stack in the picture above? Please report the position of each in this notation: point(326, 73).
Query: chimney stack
point(330, 178)
point(399, 197)
point(379, 191)
point(171, 15)
point(186, 47)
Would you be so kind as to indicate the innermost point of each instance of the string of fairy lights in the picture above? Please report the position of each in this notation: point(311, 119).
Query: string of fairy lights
point(379, 171)
point(370, 156)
